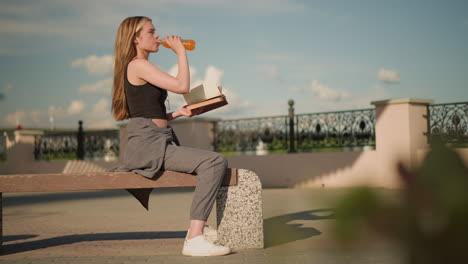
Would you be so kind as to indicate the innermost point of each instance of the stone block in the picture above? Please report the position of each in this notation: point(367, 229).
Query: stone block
point(239, 213)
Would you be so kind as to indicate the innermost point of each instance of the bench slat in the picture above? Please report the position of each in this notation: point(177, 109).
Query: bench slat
point(101, 181)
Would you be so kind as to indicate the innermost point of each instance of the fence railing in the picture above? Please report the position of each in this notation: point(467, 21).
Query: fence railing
point(342, 129)
point(303, 133)
point(449, 123)
point(252, 134)
point(89, 145)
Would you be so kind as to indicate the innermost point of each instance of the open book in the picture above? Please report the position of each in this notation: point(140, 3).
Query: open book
point(205, 97)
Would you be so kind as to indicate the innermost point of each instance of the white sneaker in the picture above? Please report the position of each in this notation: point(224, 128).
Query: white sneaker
point(210, 234)
point(200, 247)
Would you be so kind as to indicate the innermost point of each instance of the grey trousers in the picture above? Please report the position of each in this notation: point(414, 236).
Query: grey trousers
point(210, 168)
point(151, 149)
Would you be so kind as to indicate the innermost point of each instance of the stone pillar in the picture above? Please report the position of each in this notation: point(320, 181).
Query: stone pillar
point(400, 129)
point(239, 213)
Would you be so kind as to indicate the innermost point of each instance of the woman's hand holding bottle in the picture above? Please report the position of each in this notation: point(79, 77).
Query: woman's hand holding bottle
point(188, 44)
point(174, 43)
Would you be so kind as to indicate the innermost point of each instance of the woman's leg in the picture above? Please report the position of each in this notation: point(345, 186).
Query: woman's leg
point(210, 168)
point(196, 228)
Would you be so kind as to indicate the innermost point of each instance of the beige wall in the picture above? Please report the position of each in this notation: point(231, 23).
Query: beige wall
point(321, 169)
point(400, 128)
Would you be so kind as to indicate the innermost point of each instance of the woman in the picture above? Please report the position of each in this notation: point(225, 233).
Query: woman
point(139, 92)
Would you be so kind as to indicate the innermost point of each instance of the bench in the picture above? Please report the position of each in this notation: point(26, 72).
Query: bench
point(238, 203)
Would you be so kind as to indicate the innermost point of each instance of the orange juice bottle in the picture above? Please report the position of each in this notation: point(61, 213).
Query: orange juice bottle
point(188, 44)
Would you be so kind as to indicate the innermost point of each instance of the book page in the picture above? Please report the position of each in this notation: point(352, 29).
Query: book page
point(211, 89)
point(202, 92)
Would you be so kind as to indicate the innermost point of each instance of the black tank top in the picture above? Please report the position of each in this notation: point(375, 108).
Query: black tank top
point(145, 100)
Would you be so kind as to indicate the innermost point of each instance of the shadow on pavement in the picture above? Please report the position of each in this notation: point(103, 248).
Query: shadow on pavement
point(278, 230)
point(70, 239)
point(38, 198)
point(18, 237)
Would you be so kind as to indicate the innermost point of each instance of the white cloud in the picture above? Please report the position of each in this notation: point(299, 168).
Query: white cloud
point(100, 117)
point(175, 69)
point(56, 113)
point(214, 74)
point(15, 118)
point(100, 87)
point(194, 80)
point(33, 118)
point(211, 74)
point(388, 76)
point(95, 64)
point(76, 107)
point(315, 104)
point(97, 117)
point(323, 98)
point(236, 105)
point(327, 93)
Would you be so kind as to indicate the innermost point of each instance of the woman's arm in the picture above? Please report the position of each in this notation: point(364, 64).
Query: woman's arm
point(147, 71)
point(178, 113)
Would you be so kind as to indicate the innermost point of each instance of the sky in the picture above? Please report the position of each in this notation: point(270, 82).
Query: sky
point(326, 55)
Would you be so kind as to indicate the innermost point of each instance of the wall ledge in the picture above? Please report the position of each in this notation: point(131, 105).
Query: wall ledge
point(403, 101)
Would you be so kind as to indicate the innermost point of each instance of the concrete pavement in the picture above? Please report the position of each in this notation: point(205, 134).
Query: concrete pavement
point(111, 227)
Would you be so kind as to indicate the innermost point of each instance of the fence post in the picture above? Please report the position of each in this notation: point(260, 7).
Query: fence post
point(427, 116)
point(292, 139)
point(80, 139)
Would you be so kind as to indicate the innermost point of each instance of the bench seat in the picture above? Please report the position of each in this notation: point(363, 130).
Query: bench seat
point(55, 182)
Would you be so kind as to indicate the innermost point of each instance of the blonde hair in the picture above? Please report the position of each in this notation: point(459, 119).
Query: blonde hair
point(124, 52)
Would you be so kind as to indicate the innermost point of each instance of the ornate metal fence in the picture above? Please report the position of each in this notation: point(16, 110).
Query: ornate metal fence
point(101, 145)
point(55, 145)
point(355, 128)
point(331, 130)
point(252, 134)
point(98, 145)
point(449, 122)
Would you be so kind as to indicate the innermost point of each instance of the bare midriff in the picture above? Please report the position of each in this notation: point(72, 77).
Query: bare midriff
point(162, 123)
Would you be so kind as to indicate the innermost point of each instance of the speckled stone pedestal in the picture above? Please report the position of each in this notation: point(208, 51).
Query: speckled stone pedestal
point(239, 212)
